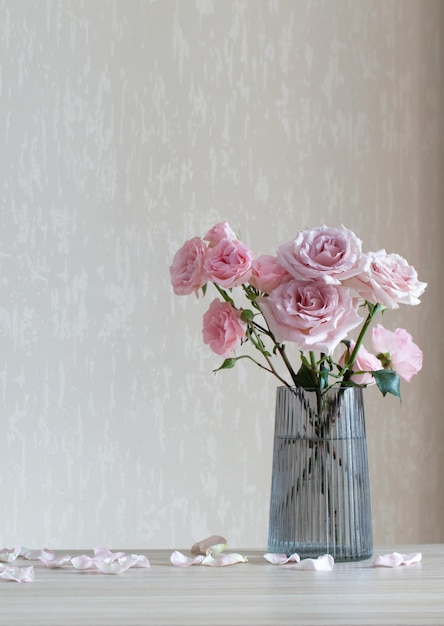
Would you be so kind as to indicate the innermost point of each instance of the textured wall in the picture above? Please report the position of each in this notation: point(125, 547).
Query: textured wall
point(129, 126)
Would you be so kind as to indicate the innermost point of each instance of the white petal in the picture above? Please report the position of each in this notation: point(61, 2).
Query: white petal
point(180, 560)
point(18, 574)
point(394, 559)
point(324, 563)
point(220, 560)
point(281, 559)
point(82, 562)
point(7, 555)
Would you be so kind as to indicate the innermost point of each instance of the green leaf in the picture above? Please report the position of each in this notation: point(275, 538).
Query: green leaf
point(388, 382)
point(227, 364)
point(305, 378)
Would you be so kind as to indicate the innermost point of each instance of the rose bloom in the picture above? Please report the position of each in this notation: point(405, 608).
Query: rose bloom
point(220, 231)
point(267, 274)
point(314, 315)
point(388, 280)
point(187, 268)
point(333, 254)
point(228, 263)
point(398, 350)
point(364, 362)
point(222, 328)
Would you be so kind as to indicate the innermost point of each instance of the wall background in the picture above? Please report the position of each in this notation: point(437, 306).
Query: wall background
point(128, 127)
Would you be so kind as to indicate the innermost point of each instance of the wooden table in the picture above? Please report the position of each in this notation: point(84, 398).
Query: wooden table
point(255, 593)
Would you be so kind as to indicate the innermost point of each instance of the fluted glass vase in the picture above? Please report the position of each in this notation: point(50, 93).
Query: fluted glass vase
point(320, 493)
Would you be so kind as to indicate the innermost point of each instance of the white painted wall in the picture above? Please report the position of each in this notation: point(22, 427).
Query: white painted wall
point(128, 126)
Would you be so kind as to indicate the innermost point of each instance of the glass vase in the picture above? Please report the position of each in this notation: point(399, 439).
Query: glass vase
point(320, 492)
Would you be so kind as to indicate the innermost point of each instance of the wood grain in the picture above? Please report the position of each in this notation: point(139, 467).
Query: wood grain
point(255, 592)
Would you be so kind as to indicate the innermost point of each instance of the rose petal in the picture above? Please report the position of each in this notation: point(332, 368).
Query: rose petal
point(18, 574)
point(49, 559)
point(112, 566)
point(217, 559)
point(104, 553)
point(31, 555)
point(215, 542)
point(82, 562)
point(394, 559)
point(180, 560)
point(134, 560)
point(7, 555)
point(281, 559)
point(324, 563)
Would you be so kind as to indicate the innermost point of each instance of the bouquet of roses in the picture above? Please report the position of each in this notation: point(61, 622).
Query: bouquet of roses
point(318, 288)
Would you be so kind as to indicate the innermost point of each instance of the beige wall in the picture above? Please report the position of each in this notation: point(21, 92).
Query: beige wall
point(127, 127)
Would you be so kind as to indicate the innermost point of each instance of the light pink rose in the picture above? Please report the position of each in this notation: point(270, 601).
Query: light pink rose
point(314, 315)
point(187, 268)
point(267, 274)
point(228, 264)
point(397, 351)
point(218, 232)
point(333, 254)
point(222, 328)
point(388, 280)
point(364, 362)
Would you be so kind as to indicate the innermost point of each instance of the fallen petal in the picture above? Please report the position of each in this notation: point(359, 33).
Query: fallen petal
point(324, 563)
point(180, 560)
point(104, 553)
point(394, 559)
point(112, 566)
point(136, 560)
point(7, 555)
point(215, 542)
point(49, 559)
point(31, 555)
point(281, 559)
point(220, 560)
point(82, 562)
point(18, 574)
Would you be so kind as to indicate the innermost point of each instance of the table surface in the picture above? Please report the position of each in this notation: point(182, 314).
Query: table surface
point(255, 592)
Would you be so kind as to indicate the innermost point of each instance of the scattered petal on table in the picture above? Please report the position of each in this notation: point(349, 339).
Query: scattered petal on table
point(180, 560)
point(105, 553)
point(216, 543)
point(17, 574)
point(137, 560)
point(216, 559)
point(324, 563)
point(31, 555)
point(7, 555)
point(49, 559)
point(394, 559)
point(82, 562)
point(281, 559)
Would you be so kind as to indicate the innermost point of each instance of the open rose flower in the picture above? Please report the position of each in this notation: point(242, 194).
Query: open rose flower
point(223, 329)
point(315, 315)
point(397, 351)
point(388, 280)
point(333, 254)
point(228, 264)
point(267, 273)
point(187, 268)
point(364, 362)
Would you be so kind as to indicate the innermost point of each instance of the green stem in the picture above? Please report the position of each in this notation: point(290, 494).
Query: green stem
point(347, 372)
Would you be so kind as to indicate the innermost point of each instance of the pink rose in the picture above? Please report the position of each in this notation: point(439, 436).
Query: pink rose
point(228, 263)
point(187, 268)
point(218, 232)
point(222, 328)
point(329, 253)
point(397, 351)
point(314, 315)
point(364, 362)
point(388, 280)
point(267, 274)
